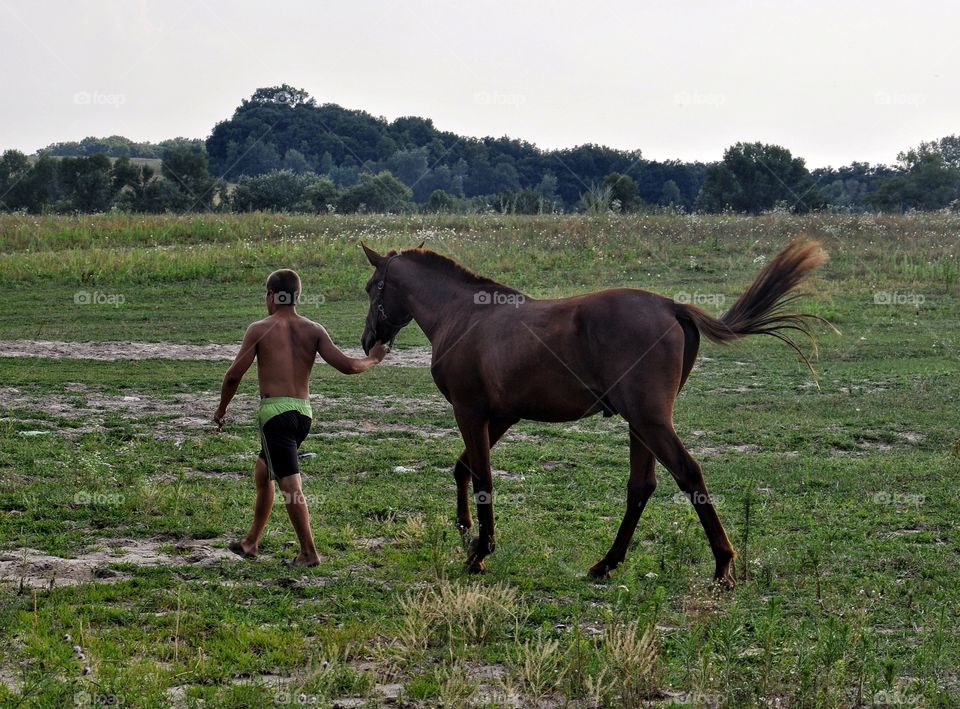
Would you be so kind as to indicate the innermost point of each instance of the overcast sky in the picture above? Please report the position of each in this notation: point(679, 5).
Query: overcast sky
point(832, 81)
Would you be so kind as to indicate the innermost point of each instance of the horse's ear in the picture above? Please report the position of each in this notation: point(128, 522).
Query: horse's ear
point(422, 243)
point(375, 259)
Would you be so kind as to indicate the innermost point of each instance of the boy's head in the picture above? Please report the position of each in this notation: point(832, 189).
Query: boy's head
point(283, 289)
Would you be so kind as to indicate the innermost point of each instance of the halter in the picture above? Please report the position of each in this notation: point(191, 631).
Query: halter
point(378, 303)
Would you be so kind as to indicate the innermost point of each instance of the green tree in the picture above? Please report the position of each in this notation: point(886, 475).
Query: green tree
point(14, 167)
point(40, 187)
point(86, 183)
point(440, 201)
point(754, 177)
point(376, 193)
point(927, 181)
point(623, 191)
point(670, 196)
point(547, 189)
point(294, 161)
point(947, 147)
point(185, 167)
point(322, 194)
point(131, 183)
point(281, 190)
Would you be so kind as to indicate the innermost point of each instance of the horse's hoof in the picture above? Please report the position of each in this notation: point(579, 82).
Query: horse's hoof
point(464, 529)
point(476, 566)
point(725, 582)
point(599, 571)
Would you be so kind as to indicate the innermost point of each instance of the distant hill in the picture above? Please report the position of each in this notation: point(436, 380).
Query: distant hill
point(154, 163)
point(116, 146)
point(284, 128)
point(282, 150)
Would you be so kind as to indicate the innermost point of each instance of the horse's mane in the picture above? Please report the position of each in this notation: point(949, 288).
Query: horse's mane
point(447, 265)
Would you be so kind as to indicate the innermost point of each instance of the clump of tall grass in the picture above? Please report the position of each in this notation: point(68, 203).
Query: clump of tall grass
point(630, 653)
point(455, 615)
point(597, 200)
point(539, 665)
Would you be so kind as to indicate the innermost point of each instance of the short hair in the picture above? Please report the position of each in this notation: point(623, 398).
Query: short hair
point(285, 285)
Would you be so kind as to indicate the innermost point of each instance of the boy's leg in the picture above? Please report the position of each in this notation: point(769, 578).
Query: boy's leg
point(261, 509)
point(293, 498)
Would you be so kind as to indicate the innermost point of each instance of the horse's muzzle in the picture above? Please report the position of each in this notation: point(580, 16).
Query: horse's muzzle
point(367, 340)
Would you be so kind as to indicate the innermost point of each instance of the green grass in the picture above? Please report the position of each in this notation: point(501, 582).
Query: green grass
point(849, 590)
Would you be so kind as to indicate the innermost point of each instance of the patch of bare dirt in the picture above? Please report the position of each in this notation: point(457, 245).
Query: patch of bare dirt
point(112, 351)
point(708, 451)
point(35, 569)
point(87, 409)
point(372, 542)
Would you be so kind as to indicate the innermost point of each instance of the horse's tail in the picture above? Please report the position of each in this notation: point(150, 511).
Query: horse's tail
point(759, 311)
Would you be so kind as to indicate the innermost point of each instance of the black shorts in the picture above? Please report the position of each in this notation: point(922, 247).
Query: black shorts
point(280, 440)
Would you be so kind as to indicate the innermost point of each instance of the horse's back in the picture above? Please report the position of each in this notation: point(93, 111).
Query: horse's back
point(562, 359)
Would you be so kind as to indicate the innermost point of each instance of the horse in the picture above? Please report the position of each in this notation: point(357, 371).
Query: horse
point(499, 356)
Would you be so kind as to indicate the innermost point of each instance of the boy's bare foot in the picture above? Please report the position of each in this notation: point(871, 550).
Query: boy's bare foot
point(305, 560)
point(243, 549)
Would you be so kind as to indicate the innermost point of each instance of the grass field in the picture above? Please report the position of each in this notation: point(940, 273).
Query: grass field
point(117, 498)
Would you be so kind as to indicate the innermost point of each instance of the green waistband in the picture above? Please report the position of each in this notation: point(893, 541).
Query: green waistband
point(275, 405)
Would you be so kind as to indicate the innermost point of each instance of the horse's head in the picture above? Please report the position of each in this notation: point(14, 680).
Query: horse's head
point(387, 314)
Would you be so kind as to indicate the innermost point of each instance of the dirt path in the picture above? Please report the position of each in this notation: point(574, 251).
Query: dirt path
point(34, 569)
point(112, 351)
point(186, 414)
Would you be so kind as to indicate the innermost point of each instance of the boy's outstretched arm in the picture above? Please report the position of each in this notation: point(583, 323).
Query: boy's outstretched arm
point(333, 356)
point(231, 380)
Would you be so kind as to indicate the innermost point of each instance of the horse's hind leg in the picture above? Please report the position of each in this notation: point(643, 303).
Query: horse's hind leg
point(643, 481)
point(461, 473)
point(663, 441)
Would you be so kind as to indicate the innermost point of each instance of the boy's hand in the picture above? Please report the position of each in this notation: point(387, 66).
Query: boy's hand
point(219, 416)
point(379, 351)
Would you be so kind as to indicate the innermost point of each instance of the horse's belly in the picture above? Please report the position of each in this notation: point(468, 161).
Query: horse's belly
point(552, 406)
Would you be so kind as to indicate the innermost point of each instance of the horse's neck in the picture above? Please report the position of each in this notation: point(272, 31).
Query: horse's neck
point(433, 297)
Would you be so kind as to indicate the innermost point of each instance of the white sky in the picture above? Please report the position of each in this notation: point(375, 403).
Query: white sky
point(832, 81)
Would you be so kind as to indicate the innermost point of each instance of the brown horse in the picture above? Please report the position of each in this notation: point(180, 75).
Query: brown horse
point(500, 356)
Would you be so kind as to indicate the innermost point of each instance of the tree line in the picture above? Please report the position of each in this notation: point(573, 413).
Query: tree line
point(282, 151)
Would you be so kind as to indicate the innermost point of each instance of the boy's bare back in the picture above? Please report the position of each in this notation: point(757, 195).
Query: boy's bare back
point(286, 348)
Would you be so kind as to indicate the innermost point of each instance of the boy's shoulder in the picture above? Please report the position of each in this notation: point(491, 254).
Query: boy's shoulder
point(308, 322)
point(258, 324)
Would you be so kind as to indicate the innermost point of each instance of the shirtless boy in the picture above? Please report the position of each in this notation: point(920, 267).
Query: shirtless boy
point(285, 345)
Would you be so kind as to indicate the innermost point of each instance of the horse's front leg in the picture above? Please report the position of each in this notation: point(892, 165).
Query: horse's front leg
point(461, 472)
point(476, 438)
